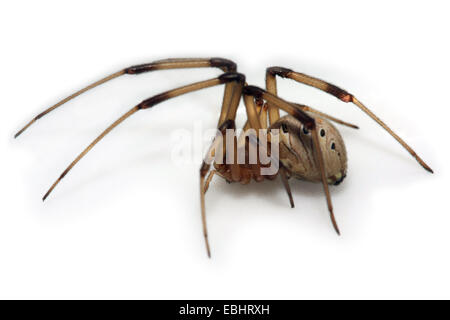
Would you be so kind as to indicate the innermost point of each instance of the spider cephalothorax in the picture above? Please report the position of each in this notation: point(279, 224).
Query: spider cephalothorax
point(311, 148)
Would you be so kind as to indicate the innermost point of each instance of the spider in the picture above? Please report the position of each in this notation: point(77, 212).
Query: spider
point(310, 147)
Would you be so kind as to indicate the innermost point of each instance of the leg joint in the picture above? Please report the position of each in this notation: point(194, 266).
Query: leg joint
point(224, 64)
point(140, 68)
point(339, 93)
point(204, 169)
point(253, 91)
point(154, 100)
point(279, 71)
point(232, 76)
point(227, 124)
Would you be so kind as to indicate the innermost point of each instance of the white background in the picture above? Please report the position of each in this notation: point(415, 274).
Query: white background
point(125, 223)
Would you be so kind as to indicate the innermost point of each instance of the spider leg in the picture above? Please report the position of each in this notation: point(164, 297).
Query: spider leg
point(204, 169)
point(89, 147)
point(208, 180)
point(225, 78)
point(285, 181)
point(252, 111)
point(271, 86)
point(341, 94)
point(261, 109)
point(309, 123)
point(274, 113)
point(148, 103)
point(263, 114)
point(283, 174)
point(326, 116)
point(223, 64)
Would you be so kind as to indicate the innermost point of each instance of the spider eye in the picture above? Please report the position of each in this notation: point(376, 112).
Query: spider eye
point(284, 127)
point(305, 131)
point(333, 146)
point(322, 133)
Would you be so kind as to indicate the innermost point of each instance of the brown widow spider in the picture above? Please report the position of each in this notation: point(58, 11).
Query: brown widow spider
point(310, 147)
